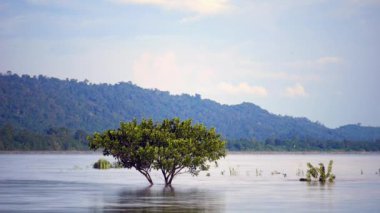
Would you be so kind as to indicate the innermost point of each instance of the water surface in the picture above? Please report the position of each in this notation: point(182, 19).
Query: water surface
point(239, 183)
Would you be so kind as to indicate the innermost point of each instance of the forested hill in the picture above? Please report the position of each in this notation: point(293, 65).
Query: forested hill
point(40, 103)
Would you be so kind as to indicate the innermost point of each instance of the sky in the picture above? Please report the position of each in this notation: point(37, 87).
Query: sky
point(318, 59)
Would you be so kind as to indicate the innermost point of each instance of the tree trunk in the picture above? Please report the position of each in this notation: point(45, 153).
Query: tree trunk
point(147, 176)
point(170, 178)
point(165, 177)
point(149, 179)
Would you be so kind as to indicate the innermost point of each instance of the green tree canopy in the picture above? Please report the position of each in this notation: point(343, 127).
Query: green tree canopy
point(171, 146)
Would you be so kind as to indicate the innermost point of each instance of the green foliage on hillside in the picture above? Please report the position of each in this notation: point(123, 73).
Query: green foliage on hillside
point(32, 105)
point(296, 145)
point(52, 139)
point(36, 103)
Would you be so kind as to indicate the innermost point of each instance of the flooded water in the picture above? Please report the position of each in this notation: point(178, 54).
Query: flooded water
point(239, 183)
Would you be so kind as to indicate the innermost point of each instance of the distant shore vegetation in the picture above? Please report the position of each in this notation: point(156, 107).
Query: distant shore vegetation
point(53, 139)
point(63, 139)
point(300, 145)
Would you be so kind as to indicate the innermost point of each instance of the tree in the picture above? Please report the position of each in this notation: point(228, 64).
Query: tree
point(171, 146)
point(129, 144)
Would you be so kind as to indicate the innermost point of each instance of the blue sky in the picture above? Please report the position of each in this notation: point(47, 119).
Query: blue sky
point(317, 58)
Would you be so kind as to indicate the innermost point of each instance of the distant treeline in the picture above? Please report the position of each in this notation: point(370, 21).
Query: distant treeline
point(62, 139)
point(296, 145)
point(52, 139)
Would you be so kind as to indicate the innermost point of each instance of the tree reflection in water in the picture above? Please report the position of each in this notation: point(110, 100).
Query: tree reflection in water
point(167, 199)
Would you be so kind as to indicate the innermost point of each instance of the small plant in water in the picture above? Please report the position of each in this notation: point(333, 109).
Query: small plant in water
point(300, 172)
point(233, 172)
point(275, 172)
point(102, 164)
point(319, 174)
point(259, 172)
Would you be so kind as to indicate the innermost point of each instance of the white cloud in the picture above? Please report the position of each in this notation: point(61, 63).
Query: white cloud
point(243, 88)
point(329, 60)
point(202, 7)
point(50, 2)
point(190, 19)
point(159, 71)
point(296, 91)
point(315, 63)
point(284, 76)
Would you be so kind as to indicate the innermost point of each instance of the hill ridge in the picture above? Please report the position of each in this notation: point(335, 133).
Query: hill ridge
point(38, 103)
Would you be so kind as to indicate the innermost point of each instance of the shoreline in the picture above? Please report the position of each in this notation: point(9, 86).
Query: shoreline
point(49, 152)
point(228, 152)
point(304, 152)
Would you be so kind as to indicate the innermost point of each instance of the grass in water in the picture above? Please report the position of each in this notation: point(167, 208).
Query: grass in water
point(102, 164)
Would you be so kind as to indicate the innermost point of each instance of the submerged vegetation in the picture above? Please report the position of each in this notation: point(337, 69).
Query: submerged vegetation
point(319, 173)
point(172, 146)
point(105, 164)
point(102, 164)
